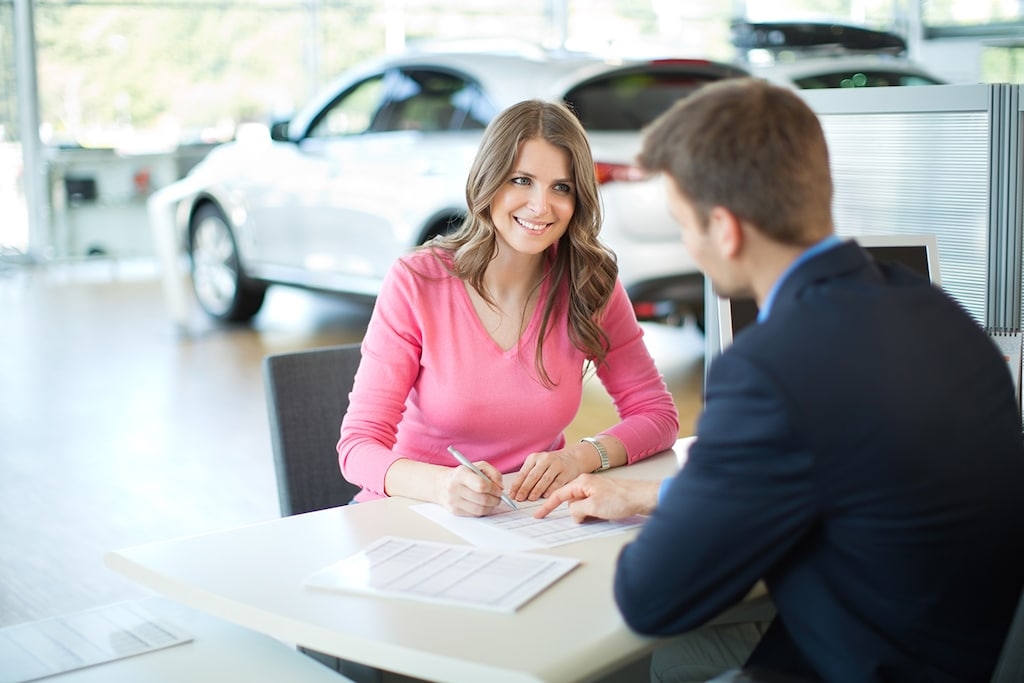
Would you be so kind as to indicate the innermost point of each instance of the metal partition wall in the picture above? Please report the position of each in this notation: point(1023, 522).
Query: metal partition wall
point(945, 160)
point(1008, 208)
point(916, 160)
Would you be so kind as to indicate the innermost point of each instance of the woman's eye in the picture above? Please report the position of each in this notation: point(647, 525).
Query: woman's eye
point(520, 181)
point(563, 187)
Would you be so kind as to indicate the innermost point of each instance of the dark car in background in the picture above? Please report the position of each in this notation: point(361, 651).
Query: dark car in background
point(812, 55)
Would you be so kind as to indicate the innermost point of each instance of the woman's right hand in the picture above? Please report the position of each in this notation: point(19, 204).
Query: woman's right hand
point(462, 492)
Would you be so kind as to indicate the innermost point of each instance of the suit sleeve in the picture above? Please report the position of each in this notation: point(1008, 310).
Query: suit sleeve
point(743, 499)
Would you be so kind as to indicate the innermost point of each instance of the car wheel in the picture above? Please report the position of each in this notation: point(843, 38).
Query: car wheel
point(219, 283)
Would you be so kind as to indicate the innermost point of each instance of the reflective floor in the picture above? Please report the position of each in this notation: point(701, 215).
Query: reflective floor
point(119, 426)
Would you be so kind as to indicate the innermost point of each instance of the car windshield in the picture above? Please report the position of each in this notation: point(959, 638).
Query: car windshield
point(628, 101)
point(862, 79)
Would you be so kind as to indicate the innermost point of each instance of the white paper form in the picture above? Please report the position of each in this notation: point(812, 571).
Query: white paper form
point(515, 530)
point(44, 648)
point(444, 573)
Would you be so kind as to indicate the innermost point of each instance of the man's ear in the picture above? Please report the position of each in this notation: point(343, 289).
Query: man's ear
point(726, 230)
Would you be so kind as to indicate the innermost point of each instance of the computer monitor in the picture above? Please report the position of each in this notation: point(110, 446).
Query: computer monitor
point(918, 252)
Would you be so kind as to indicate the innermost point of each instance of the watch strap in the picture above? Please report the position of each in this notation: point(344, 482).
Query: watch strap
point(601, 452)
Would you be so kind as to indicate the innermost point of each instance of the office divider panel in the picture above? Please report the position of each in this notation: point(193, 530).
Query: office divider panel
point(945, 160)
point(916, 159)
point(1010, 219)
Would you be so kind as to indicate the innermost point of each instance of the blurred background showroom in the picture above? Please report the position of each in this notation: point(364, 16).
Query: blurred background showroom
point(130, 410)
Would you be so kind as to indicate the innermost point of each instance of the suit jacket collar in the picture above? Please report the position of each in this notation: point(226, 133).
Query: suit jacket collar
point(841, 260)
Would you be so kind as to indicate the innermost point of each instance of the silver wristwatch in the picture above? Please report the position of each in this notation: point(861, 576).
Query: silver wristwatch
point(605, 464)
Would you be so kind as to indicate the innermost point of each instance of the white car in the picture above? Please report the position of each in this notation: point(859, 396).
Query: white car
point(377, 164)
point(812, 55)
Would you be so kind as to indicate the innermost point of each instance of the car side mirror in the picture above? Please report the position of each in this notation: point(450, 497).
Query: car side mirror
point(279, 131)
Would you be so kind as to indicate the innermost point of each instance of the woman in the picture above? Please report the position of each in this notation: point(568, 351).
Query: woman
point(482, 339)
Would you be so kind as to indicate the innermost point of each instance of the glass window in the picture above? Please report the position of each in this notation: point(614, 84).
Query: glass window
point(873, 14)
point(861, 79)
point(351, 113)
point(973, 19)
point(1003, 64)
point(429, 100)
point(473, 110)
point(972, 12)
point(629, 100)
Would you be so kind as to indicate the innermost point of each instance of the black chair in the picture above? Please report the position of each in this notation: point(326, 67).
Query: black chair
point(307, 395)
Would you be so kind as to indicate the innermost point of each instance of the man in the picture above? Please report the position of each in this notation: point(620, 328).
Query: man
point(859, 450)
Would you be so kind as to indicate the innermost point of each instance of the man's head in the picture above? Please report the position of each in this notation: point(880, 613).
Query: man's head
point(748, 151)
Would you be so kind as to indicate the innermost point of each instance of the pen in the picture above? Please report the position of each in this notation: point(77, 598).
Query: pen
point(463, 460)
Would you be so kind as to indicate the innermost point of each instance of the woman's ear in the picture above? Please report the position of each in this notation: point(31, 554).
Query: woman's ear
point(726, 231)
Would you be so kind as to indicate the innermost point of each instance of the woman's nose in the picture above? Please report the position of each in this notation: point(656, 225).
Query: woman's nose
point(538, 202)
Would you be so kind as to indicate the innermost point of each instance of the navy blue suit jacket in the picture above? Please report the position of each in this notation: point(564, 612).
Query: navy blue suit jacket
point(861, 452)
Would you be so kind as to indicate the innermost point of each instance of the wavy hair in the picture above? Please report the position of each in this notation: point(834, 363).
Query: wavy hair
point(578, 258)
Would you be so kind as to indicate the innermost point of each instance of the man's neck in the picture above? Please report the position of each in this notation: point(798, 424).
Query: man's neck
point(769, 262)
point(789, 260)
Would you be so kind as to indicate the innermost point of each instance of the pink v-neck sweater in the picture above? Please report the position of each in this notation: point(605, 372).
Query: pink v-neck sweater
point(431, 376)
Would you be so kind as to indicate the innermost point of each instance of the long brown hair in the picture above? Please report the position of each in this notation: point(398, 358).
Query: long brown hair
point(578, 257)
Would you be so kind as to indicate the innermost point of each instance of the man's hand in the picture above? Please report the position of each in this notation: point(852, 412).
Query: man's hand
point(594, 495)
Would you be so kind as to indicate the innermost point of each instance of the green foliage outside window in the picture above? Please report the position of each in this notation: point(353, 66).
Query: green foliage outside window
point(201, 67)
point(103, 68)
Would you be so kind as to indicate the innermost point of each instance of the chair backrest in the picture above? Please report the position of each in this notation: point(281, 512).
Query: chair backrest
point(307, 395)
point(1010, 668)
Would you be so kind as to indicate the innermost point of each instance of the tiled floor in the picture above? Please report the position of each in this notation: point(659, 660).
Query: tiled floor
point(119, 427)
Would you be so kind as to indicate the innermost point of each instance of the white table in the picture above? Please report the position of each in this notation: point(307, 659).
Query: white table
point(255, 576)
point(219, 652)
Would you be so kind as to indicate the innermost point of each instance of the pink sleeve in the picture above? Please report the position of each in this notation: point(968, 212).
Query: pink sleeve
point(649, 418)
point(390, 362)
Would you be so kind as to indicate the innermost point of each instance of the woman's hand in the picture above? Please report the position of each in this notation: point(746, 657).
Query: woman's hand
point(463, 492)
point(542, 473)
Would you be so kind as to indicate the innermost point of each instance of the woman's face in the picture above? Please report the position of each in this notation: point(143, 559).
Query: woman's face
point(532, 209)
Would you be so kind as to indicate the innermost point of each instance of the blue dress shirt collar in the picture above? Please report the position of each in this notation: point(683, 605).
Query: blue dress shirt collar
point(823, 245)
